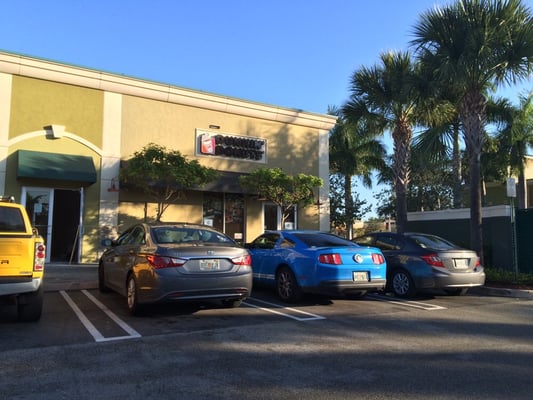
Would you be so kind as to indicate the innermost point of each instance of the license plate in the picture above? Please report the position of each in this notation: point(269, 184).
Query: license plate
point(461, 263)
point(360, 276)
point(209, 265)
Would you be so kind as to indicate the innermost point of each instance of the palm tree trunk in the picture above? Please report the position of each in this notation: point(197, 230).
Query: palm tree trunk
point(457, 167)
point(522, 191)
point(348, 205)
point(402, 152)
point(473, 116)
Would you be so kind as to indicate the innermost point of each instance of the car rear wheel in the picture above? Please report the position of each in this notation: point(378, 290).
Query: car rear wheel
point(402, 284)
point(30, 306)
point(287, 286)
point(133, 303)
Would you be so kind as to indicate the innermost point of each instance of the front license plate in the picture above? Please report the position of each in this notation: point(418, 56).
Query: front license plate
point(209, 265)
point(360, 276)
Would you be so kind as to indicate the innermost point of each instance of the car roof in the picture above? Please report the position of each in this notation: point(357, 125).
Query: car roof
point(180, 224)
point(295, 231)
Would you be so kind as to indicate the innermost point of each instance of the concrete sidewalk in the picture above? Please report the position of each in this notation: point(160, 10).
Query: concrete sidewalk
point(64, 276)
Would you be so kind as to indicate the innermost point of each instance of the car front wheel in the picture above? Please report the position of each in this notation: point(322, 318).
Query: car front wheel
point(287, 286)
point(402, 284)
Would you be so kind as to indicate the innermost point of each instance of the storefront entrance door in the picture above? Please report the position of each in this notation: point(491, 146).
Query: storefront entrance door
point(56, 215)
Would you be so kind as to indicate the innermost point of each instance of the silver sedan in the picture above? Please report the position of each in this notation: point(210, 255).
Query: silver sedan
point(160, 262)
point(418, 261)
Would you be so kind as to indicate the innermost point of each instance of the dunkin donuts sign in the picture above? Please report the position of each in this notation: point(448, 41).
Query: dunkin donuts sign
point(244, 148)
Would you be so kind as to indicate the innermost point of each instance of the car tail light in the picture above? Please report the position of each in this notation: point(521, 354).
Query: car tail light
point(433, 260)
point(478, 263)
point(40, 257)
point(333, 258)
point(378, 258)
point(243, 260)
point(159, 262)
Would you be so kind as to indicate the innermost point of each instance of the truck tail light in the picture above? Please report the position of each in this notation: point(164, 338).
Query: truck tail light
point(40, 257)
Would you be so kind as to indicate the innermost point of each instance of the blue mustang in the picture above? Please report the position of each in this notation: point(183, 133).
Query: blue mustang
point(302, 261)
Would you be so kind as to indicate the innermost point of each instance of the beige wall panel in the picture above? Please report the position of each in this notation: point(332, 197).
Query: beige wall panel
point(254, 219)
point(293, 148)
point(37, 103)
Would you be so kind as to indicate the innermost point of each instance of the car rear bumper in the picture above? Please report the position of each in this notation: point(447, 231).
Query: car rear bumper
point(16, 285)
point(459, 280)
point(235, 287)
point(342, 287)
point(442, 280)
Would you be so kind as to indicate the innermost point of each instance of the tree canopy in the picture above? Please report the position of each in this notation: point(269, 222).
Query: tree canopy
point(164, 174)
point(284, 190)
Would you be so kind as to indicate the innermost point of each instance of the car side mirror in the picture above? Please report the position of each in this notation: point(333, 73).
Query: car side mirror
point(107, 243)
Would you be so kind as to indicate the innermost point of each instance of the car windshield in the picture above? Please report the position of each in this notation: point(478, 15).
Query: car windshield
point(432, 242)
point(322, 240)
point(178, 235)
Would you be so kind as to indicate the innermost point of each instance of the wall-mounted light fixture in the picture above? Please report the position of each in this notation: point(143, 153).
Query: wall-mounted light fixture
point(214, 126)
point(113, 186)
point(54, 131)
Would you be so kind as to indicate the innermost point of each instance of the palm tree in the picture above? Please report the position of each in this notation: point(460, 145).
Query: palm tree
point(479, 45)
point(515, 139)
point(387, 95)
point(354, 151)
point(440, 142)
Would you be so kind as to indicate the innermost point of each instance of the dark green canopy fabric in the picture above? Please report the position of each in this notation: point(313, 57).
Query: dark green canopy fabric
point(53, 166)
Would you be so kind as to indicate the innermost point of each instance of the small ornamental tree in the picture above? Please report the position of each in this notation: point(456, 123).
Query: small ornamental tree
point(164, 174)
point(286, 191)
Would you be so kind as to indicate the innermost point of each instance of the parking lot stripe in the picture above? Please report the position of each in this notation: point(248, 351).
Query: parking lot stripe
point(132, 332)
point(408, 303)
point(311, 317)
point(95, 333)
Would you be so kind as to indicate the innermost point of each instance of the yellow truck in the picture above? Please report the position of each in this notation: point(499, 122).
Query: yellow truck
point(22, 258)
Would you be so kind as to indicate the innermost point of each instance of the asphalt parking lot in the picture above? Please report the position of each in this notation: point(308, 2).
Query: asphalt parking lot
point(86, 345)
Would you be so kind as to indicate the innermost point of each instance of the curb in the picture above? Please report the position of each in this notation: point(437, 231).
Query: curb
point(501, 292)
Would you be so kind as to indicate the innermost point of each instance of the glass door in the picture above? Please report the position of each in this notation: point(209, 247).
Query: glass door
point(39, 202)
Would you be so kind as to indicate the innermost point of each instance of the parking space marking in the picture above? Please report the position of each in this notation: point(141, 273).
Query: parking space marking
point(98, 337)
point(407, 303)
point(310, 317)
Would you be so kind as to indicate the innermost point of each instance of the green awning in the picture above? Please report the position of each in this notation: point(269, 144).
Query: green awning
point(57, 167)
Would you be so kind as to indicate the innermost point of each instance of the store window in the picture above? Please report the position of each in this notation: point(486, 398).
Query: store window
point(214, 210)
point(225, 212)
point(273, 219)
point(234, 216)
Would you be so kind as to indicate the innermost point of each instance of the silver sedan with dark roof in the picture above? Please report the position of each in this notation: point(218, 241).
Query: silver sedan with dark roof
point(165, 262)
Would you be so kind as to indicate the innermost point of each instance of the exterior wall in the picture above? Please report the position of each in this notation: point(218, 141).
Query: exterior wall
point(109, 117)
point(454, 225)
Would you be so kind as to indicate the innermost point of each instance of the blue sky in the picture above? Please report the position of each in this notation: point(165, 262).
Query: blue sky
point(292, 53)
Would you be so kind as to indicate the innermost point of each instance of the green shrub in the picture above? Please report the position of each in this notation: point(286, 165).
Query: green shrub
point(498, 275)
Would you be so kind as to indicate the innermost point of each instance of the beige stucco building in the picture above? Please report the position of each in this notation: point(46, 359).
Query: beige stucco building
point(65, 129)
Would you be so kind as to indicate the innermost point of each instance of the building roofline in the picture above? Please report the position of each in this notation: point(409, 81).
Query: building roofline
point(32, 67)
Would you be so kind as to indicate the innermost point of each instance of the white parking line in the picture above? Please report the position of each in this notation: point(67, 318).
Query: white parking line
point(98, 337)
point(408, 303)
point(311, 317)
